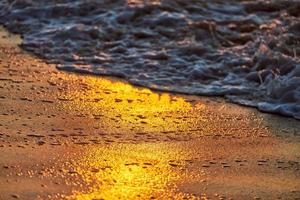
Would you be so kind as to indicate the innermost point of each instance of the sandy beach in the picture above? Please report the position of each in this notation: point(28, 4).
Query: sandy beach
point(70, 136)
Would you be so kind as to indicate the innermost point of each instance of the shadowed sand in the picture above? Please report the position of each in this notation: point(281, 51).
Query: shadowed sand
point(68, 136)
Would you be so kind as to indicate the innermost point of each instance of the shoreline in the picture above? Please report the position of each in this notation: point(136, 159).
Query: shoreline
point(70, 136)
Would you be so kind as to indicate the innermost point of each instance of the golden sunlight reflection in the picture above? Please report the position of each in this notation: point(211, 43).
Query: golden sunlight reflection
point(146, 167)
point(130, 107)
point(104, 92)
point(118, 172)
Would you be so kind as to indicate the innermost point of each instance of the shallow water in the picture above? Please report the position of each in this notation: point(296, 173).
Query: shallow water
point(247, 51)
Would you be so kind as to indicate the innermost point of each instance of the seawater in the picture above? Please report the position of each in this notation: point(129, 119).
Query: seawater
point(245, 50)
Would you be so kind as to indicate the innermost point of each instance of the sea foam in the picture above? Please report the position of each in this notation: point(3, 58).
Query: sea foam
point(246, 51)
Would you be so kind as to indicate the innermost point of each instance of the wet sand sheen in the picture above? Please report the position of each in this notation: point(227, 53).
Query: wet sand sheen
point(64, 136)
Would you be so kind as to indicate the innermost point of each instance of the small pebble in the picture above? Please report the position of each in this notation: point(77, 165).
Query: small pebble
point(15, 196)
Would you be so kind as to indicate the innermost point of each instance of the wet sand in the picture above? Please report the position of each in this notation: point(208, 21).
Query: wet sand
point(69, 136)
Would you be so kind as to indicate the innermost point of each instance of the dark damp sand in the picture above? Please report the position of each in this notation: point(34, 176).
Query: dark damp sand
point(65, 136)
